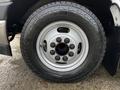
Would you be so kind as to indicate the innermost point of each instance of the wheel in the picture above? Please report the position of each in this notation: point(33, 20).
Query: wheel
point(63, 42)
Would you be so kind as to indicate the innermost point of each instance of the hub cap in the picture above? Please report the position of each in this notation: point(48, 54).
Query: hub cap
point(62, 49)
point(62, 46)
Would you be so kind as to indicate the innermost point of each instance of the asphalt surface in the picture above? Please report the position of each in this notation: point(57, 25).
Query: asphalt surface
point(15, 75)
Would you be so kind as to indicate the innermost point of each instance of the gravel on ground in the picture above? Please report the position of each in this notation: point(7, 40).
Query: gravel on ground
point(15, 75)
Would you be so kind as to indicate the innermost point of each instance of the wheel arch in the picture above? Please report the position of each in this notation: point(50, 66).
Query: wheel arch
point(19, 8)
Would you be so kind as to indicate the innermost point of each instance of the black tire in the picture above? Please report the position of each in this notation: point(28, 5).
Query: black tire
point(80, 16)
point(36, 6)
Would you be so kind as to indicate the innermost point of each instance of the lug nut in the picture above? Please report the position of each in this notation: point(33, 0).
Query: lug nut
point(52, 52)
point(71, 54)
point(65, 58)
point(59, 39)
point(52, 45)
point(67, 40)
point(72, 46)
point(57, 58)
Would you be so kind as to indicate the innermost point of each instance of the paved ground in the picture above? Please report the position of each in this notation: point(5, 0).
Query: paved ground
point(15, 75)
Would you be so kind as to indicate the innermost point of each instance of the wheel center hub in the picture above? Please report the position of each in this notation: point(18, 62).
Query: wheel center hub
point(62, 49)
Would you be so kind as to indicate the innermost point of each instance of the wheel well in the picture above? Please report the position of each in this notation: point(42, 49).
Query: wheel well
point(20, 10)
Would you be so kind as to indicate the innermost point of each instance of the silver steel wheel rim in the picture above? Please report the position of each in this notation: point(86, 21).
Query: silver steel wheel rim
point(49, 35)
